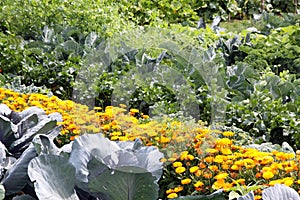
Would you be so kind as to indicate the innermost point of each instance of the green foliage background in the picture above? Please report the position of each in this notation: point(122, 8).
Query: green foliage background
point(54, 43)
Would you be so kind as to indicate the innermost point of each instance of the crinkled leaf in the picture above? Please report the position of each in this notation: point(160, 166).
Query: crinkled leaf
point(44, 145)
point(7, 131)
point(279, 192)
point(56, 116)
point(26, 123)
point(2, 153)
point(16, 177)
point(18, 116)
point(23, 197)
point(53, 177)
point(82, 150)
point(147, 157)
point(132, 183)
point(5, 110)
point(43, 127)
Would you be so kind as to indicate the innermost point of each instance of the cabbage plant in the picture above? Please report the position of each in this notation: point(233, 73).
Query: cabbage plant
point(17, 130)
point(93, 167)
point(277, 192)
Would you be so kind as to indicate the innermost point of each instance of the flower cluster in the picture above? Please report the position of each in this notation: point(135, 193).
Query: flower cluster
point(197, 160)
point(225, 165)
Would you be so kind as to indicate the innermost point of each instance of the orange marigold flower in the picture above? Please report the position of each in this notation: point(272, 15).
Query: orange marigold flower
point(207, 175)
point(213, 168)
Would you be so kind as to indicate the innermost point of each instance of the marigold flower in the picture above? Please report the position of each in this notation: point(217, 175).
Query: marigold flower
point(212, 151)
point(234, 167)
point(228, 134)
point(180, 170)
point(178, 189)
point(198, 184)
point(209, 159)
point(226, 151)
point(221, 176)
point(186, 181)
point(194, 169)
point(213, 168)
point(172, 195)
point(177, 164)
point(169, 191)
point(207, 175)
point(268, 175)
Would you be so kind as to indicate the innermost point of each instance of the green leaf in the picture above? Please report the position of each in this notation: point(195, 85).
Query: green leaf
point(53, 177)
point(43, 127)
point(23, 197)
point(17, 176)
point(7, 131)
point(2, 192)
point(279, 192)
point(125, 183)
point(233, 195)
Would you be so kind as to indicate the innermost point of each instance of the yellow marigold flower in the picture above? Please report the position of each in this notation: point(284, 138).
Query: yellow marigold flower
point(183, 155)
point(209, 159)
point(172, 195)
point(268, 175)
point(221, 176)
point(190, 157)
point(114, 138)
point(228, 134)
point(180, 170)
point(194, 169)
point(145, 116)
point(234, 167)
point(172, 159)
point(213, 168)
point(97, 108)
point(169, 191)
point(218, 184)
point(178, 189)
point(212, 151)
point(257, 197)
point(198, 184)
point(226, 151)
point(298, 181)
point(225, 166)
point(132, 110)
point(224, 142)
point(272, 183)
point(106, 127)
point(177, 164)
point(288, 182)
point(186, 181)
